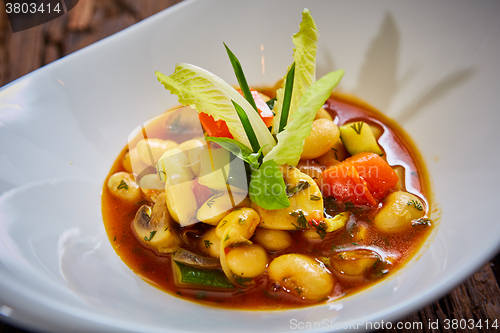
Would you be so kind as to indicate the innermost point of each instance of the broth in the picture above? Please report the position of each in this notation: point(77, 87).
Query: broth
point(396, 248)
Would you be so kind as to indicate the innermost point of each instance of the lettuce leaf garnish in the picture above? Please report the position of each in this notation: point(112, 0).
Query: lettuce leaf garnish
point(210, 94)
point(238, 150)
point(253, 143)
point(304, 56)
point(291, 139)
point(267, 187)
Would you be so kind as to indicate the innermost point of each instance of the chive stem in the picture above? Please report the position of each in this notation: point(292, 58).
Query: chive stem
point(238, 71)
point(287, 98)
point(247, 127)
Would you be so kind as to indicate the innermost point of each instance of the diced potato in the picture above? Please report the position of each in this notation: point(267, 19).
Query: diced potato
point(323, 136)
point(323, 114)
point(358, 138)
point(399, 210)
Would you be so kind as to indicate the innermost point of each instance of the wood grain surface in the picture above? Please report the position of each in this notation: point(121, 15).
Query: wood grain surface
point(91, 20)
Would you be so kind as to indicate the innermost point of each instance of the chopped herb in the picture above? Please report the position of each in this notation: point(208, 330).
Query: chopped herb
point(211, 201)
point(122, 185)
point(151, 235)
point(421, 221)
point(416, 204)
point(335, 153)
point(207, 243)
point(302, 185)
point(357, 127)
point(314, 197)
point(226, 238)
point(242, 220)
point(270, 103)
point(301, 220)
point(166, 228)
point(354, 243)
point(114, 238)
point(298, 290)
point(320, 229)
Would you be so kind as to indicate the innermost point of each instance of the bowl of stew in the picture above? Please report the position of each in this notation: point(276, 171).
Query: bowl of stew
point(284, 180)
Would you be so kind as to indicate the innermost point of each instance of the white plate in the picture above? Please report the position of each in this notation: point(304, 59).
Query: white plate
point(433, 66)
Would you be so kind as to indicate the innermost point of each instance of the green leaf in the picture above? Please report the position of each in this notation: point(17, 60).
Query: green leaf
point(247, 126)
point(238, 71)
point(239, 150)
point(208, 93)
point(291, 140)
point(304, 56)
point(267, 187)
point(287, 99)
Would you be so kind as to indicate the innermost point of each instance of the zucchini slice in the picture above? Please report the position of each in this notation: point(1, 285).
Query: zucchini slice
point(358, 137)
point(190, 277)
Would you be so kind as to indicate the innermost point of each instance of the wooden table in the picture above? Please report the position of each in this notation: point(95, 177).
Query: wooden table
point(91, 20)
